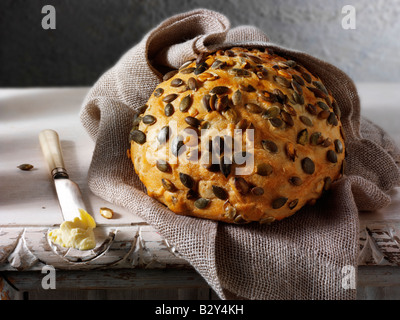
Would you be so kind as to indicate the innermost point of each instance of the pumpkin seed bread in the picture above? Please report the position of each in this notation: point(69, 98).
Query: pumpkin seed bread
point(183, 141)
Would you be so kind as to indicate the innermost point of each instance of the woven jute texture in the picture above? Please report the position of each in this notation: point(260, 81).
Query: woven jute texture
point(306, 256)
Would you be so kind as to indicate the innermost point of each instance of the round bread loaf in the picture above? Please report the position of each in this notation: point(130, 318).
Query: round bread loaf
point(239, 135)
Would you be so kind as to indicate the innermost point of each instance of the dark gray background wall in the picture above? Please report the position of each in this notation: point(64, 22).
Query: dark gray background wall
point(91, 35)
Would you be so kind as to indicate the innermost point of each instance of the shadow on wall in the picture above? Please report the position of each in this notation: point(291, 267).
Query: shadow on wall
point(90, 36)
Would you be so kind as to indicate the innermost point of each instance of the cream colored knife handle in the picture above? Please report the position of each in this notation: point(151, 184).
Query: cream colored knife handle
point(51, 148)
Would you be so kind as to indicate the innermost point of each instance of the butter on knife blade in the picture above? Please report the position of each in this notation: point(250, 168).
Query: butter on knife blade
point(76, 234)
point(77, 229)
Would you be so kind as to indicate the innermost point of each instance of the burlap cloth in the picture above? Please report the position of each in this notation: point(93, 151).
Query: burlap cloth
point(298, 258)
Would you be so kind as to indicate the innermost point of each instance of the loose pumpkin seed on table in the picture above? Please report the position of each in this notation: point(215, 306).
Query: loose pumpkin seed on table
point(295, 150)
point(106, 212)
point(25, 167)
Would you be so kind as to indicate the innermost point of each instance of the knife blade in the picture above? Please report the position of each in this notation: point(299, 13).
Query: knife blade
point(68, 192)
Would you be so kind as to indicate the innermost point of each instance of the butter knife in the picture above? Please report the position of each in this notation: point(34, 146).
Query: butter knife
point(68, 192)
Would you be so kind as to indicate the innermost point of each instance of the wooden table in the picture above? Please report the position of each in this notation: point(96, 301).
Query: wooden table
point(134, 259)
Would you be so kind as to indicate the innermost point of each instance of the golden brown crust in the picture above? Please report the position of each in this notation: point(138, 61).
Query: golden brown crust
point(298, 148)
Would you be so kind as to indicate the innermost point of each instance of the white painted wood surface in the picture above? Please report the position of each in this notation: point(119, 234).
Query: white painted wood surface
point(29, 207)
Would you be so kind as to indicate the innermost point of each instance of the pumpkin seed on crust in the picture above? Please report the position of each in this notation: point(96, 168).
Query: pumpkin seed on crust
point(257, 191)
point(219, 90)
point(308, 165)
point(237, 98)
point(302, 137)
point(169, 110)
point(306, 77)
point(317, 92)
point(332, 119)
point(163, 134)
point(306, 120)
point(202, 203)
point(293, 204)
point(187, 70)
point(186, 103)
point(186, 180)
point(220, 193)
point(315, 138)
point(276, 122)
point(271, 112)
point(264, 169)
point(170, 97)
point(149, 119)
point(192, 83)
point(253, 108)
point(192, 121)
point(298, 79)
point(158, 92)
point(296, 181)
point(324, 114)
point(338, 146)
point(137, 136)
point(311, 109)
point(279, 202)
point(163, 166)
point(269, 146)
point(177, 82)
point(202, 67)
point(290, 151)
point(169, 75)
point(331, 156)
point(168, 185)
point(240, 72)
point(320, 86)
point(241, 185)
point(327, 183)
point(177, 146)
point(225, 167)
point(287, 118)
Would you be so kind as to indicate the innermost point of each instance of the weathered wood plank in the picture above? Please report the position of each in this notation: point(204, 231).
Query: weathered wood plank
point(122, 294)
point(110, 279)
point(378, 276)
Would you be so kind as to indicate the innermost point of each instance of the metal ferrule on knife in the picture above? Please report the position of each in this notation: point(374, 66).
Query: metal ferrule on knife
point(59, 173)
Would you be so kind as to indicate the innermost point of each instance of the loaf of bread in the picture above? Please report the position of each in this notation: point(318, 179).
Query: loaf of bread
point(239, 135)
